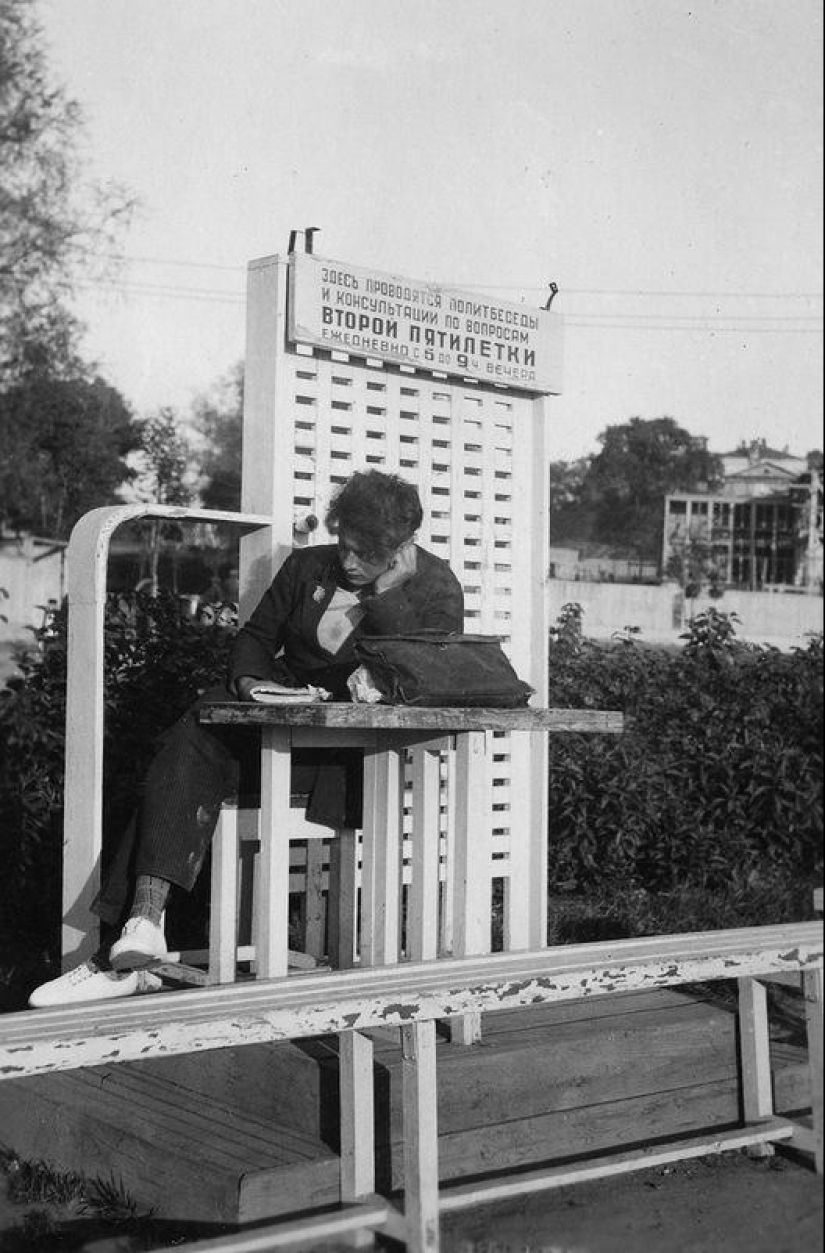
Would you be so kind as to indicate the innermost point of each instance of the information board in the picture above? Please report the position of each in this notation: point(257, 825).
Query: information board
point(369, 314)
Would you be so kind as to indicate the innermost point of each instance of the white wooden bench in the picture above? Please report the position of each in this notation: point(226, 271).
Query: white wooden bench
point(413, 997)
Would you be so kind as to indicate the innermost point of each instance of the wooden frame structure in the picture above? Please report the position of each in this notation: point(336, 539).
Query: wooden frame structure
point(413, 998)
point(476, 451)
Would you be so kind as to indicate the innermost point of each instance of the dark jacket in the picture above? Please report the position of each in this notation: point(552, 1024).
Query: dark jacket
point(279, 641)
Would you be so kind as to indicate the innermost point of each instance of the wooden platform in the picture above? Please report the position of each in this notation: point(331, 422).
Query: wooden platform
point(235, 1135)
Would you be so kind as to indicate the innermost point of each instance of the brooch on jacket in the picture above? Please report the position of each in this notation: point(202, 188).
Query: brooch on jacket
point(319, 594)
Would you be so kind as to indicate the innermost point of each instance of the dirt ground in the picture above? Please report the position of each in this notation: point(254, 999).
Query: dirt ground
point(726, 1204)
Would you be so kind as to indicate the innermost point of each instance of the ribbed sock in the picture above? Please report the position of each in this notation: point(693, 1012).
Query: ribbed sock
point(150, 898)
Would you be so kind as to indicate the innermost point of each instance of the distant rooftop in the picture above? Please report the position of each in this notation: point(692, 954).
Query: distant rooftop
point(764, 451)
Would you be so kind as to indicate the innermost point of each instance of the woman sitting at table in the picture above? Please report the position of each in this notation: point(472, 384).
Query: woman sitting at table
point(375, 581)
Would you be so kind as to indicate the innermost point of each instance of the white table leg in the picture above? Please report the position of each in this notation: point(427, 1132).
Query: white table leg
point(272, 920)
point(381, 857)
point(422, 898)
point(472, 896)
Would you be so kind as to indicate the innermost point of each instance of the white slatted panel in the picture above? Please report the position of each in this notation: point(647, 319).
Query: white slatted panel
point(472, 452)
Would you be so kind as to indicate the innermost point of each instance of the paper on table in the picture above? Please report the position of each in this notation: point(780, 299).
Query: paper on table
point(277, 694)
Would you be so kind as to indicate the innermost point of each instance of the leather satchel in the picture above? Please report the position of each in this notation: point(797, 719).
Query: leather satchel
point(433, 668)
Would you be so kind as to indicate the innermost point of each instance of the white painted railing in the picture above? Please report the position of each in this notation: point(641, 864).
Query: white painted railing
point(413, 997)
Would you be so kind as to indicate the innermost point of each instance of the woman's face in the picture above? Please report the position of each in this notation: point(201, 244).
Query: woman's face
point(361, 565)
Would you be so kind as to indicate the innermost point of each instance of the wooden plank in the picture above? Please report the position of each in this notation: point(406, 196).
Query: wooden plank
point(464, 1195)
point(569, 1066)
point(288, 1235)
point(559, 1135)
point(414, 718)
point(357, 1116)
point(420, 1136)
point(342, 898)
point(755, 1055)
point(223, 920)
point(381, 857)
point(272, 916)
point(471, 886)
point(519, 896)
point(471, 880)
point(182, 1157)
point(423, 894)
point(441, 988)
point(178, 1022)
point(813, 991)
point(314, 908)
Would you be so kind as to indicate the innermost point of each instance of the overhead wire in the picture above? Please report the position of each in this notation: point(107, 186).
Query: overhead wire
point(737, 322)
point(525, 287)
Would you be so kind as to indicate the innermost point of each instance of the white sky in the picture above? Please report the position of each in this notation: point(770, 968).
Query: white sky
point(660, 161)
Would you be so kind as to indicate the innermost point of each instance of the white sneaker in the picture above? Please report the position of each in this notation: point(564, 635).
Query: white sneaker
point(85, 983)
point(142, 943)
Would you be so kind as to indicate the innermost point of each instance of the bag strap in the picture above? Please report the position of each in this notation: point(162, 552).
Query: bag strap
point(433, 637)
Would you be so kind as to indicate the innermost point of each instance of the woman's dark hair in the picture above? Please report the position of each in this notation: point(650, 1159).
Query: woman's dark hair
point(381, 510)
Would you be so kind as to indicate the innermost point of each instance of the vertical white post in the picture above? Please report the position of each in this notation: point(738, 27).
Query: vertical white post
point(812, 987)
point(223, 912)
point(536, 747)
point(267, 488)
point(755, 1057)
point(382, 851)
point(420, 1096)
point(314, 913)
point(357, 1115)
point(83, 788)
point(272, 919)
point(422, 898)
point(268, 435)
point(447, 901)
point(342, 898)
point(472, 897)
point(518, 886)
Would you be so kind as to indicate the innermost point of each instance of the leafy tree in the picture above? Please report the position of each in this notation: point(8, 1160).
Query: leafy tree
point(162, 476)
point(640, 462)
point(218, 417)
point(693, 564)
point(53, 224)
point(571, 514)
point(64, 446)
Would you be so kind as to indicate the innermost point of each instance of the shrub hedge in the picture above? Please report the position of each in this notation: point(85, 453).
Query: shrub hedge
point(714, 788)
point(157, 660)
point(712, 796)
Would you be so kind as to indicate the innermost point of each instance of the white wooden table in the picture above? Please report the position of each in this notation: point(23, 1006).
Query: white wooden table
point(385, 732)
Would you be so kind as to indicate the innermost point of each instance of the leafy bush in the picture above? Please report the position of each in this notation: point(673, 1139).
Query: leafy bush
point(706, 811)
point(715, 786)
point(157, 660)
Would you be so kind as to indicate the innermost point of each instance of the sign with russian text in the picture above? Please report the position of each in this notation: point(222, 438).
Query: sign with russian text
point(369, 314)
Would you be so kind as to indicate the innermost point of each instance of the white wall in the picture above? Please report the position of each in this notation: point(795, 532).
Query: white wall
point(31, 573)
point(781, 619)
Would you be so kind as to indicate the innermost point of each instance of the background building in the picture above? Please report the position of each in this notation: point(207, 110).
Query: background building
point(761, 531)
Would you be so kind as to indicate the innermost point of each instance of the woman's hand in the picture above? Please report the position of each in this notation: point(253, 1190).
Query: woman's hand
point(244, 685)
point(401, 568)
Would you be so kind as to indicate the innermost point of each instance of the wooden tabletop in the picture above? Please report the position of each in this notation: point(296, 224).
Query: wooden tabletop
point(411, 718)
